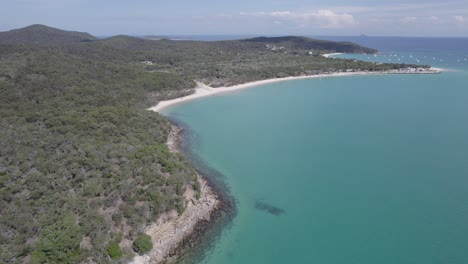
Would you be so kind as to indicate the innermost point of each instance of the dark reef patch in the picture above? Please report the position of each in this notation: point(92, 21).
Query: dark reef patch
point(262, 206)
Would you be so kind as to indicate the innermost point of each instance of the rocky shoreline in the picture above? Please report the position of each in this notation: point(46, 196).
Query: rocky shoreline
point(171, 233)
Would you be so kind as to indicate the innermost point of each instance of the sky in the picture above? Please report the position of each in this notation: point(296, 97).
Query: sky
point(242, 17)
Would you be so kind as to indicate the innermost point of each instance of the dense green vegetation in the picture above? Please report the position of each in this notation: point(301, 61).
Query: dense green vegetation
point(83, 166)
point(225, 63)
point(76, 139)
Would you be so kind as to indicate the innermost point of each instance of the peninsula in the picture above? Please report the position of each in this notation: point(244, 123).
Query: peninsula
point(86, 173)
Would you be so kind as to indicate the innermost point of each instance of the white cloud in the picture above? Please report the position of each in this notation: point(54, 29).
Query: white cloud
point(459, 19)
point(409, 19)
point(281, 14)
point(322, 18)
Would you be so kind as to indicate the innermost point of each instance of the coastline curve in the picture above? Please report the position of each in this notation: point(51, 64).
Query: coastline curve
point(203, 90)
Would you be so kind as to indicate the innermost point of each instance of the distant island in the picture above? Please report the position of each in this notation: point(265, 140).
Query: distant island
point(86, 172)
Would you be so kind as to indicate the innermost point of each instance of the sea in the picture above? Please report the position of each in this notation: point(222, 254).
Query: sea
point(342, 170)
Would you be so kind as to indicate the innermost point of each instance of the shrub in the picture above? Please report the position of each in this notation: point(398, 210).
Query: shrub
point(114, 251)
point(59, 243)
point(142, 244)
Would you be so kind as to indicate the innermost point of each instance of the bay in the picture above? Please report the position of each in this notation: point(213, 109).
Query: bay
point(357, 169)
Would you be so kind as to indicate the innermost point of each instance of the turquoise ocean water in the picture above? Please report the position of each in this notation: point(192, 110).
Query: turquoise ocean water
point(360, 169)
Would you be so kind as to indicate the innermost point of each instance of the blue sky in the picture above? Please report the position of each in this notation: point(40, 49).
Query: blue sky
point(243, 17)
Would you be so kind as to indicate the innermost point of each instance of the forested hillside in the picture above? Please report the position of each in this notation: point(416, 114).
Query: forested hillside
point(83, 166)
point(226, 63)
point(76, 143)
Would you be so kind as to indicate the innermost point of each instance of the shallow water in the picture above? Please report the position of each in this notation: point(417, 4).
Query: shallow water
point(358, 169)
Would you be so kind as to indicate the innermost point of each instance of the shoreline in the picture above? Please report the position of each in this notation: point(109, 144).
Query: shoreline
point(170, 233)
point(203, 90)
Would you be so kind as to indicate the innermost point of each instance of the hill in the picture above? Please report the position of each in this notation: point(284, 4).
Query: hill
point(125, 42)
point(304, 43)
point(40, 34)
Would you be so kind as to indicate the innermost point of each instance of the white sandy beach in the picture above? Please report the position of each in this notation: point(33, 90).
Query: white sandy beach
point(203, 90)
point(331, 54)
